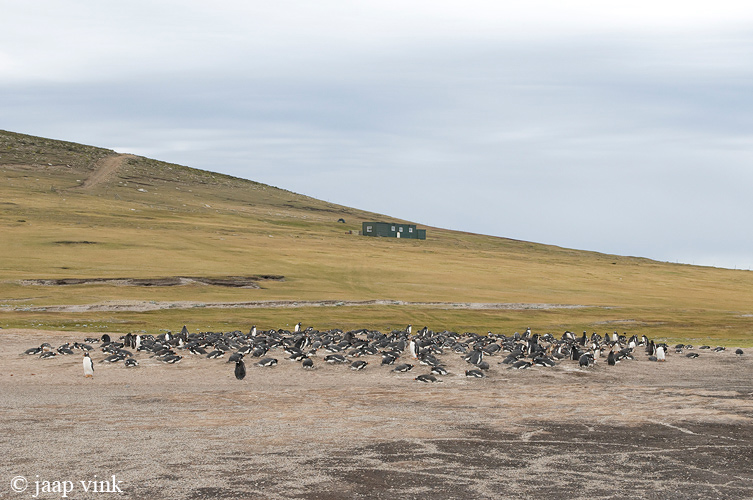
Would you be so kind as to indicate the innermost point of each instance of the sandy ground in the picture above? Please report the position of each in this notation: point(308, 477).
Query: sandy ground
point(641, 429)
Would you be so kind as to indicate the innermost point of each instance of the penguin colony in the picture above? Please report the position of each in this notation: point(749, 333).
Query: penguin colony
point(401, 350)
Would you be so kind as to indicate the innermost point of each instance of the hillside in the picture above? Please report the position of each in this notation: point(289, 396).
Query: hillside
point(161, 245)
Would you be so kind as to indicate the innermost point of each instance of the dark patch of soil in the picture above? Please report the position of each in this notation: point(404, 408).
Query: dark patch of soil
point(645, 461)
point(226, 281)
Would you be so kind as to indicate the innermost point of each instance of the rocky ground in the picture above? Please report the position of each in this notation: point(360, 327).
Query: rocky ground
point(641, 429)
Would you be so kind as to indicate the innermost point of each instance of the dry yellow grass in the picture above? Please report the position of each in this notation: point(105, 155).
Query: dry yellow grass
point(151, 219)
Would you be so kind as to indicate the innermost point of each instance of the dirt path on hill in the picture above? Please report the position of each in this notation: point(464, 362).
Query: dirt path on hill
point(682, 429)
point(144, 305)
point(105, 169)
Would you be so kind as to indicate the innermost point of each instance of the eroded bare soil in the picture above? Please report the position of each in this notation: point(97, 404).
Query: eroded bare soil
point(226, 281)
point(641, 429)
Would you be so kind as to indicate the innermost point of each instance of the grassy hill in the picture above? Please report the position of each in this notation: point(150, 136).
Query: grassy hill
point(72, 211)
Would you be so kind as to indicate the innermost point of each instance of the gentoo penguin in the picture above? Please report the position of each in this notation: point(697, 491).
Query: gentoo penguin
point(388, 359)
point(358, 365)
point(307, 364)
point(428, 360)
point(585, 360)
point(610, 358)
point(427, 378)
point(253, 331)
point(413, 349)
point(660, 355)
point(297, 327)
point(267, 362)
point(130, 363)
point(692, 355)
point(105, 338)
point(474, 357)
point(575, 353)
point(240, 369)
point(494, 348)
point(296, 355)
point(235, 357)
point(739, 352)
point(474, 373)
point(88, 366)
point(335, 359)
point(408, 329)
point(259, 351)
point(113, 358)
point(402, 368)
point(195, 349)
point(596, 352)
point(439, 370)
point(542, 360)
point(521, 364)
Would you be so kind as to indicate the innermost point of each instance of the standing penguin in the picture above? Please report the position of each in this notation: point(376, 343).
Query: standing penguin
point(651, 348)
point(660, 355)
point(413, 349)
point(240, 369)
point(88, 366)
point(610, 358)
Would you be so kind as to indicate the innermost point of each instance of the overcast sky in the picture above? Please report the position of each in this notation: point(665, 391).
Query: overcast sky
point(622, 127)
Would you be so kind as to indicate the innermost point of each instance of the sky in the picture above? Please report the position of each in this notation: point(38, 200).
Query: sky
point(618, 127)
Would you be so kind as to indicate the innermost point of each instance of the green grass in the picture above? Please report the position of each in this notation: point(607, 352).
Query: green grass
point(194, 223)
